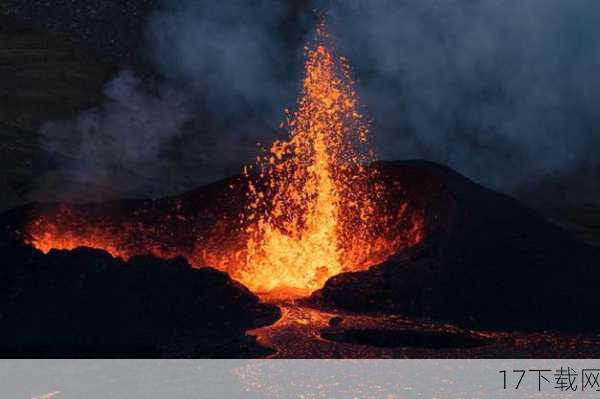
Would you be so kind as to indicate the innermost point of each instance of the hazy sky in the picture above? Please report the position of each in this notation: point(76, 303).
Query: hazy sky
point(504, 94)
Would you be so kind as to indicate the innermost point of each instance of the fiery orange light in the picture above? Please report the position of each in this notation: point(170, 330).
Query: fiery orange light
point(314, 208)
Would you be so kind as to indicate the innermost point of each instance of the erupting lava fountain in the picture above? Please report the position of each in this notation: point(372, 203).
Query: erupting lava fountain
point(314, 205)
point(317, 209)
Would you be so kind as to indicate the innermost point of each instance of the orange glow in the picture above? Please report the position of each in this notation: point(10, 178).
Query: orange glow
point(313, 206)
point(316, 210)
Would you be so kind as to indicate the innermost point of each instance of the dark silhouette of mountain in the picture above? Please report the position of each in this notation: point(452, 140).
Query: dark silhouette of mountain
point(487, 262)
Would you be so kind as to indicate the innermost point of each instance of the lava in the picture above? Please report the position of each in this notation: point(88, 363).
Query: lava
point(318, 208)
point(312, 206)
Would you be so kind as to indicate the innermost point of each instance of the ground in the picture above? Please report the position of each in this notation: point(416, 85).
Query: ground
point(301, 330)
point(51, 77)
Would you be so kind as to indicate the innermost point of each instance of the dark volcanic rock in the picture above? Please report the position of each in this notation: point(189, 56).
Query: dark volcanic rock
point(84, 303)
point(404, 338)
point(486, 262)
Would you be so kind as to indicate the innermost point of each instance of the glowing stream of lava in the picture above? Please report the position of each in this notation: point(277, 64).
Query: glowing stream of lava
point(314, 208)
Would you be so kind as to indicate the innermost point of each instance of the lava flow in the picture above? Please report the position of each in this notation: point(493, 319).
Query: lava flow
point(312, 205)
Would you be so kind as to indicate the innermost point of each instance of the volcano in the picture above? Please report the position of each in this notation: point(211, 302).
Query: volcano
point(308, 209)
point(315, 227)
point(485, 262)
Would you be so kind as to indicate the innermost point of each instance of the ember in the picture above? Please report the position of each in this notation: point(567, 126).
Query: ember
point(313, 207)
point(318, 209)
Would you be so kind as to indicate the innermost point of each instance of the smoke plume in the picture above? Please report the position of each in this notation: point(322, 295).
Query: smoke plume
point(505, 92)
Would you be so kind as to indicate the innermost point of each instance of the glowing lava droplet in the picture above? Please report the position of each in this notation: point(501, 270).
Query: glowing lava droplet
point(315, 207)
point(312, 211)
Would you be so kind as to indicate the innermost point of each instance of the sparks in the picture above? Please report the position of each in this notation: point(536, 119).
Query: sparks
point(314, 205)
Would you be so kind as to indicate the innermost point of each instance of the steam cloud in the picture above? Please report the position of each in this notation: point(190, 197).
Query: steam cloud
point(506, 93)
point(124, 137)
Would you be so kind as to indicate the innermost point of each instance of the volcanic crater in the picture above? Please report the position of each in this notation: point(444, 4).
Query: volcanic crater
point(315, 250)
point(479, 265)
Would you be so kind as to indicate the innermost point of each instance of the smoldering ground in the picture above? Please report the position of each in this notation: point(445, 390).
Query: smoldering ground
point(505, 92)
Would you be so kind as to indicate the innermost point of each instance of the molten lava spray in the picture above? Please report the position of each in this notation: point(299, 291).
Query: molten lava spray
point(314, 205)
point(312, 212)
